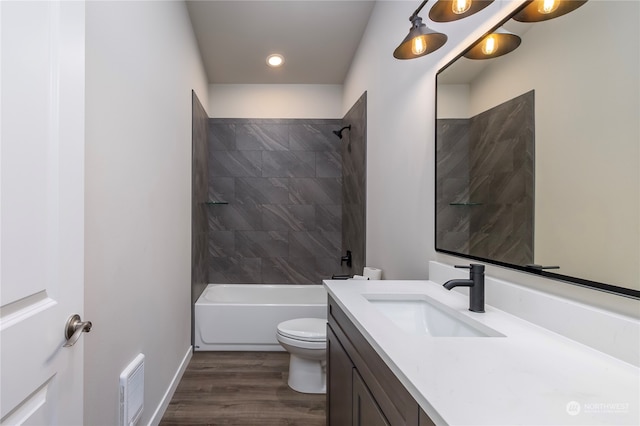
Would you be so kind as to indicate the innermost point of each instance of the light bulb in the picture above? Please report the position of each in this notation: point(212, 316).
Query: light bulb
point(460, 6)
point(275, 60)
point(490, 45)
point(548, 6)
point(419, 45)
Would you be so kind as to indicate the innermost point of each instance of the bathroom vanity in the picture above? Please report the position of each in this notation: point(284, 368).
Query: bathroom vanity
point(361, 389)
point(411, 353)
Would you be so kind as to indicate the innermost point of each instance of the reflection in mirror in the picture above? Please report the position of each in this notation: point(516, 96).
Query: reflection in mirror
point(484, 197)
point(538, 152)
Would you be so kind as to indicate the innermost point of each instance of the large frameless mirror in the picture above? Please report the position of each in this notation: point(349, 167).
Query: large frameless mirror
point(537, 151)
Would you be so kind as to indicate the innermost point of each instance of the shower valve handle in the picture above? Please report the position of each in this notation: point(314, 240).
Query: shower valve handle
point(346, 258)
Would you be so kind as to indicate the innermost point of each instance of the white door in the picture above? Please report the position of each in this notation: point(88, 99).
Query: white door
point(41, 210)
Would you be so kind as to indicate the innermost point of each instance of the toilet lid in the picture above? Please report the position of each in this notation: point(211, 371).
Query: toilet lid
point(310, 329)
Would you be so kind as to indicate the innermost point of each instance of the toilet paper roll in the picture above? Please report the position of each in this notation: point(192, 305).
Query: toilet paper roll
point(372, 273)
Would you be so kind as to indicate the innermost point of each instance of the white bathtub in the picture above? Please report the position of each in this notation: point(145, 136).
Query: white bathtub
point(244, 317)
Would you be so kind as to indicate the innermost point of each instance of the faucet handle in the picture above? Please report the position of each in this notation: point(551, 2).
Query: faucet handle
point(470, 266)
point(474, 267)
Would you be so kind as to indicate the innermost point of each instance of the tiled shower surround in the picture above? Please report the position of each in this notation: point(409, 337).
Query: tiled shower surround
point(354, 163)
point(485, 182)
point(282, 180)
point(199, 195)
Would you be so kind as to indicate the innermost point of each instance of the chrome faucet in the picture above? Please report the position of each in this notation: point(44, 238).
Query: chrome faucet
point(475, 284)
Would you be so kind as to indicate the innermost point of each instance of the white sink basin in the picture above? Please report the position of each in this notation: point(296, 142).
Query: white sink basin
point(421, 315)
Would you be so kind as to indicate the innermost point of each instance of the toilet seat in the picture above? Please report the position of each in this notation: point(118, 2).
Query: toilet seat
point(304, 329)
point(301, 344)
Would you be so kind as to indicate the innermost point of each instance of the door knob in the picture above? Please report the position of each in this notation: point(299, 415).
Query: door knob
point(74, 328)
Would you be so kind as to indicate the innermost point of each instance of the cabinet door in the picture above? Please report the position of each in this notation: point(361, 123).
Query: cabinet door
point(425, 420)
point(365, 409)
point(339, 367)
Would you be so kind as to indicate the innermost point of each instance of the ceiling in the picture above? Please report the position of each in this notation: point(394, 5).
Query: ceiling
point(318, 39)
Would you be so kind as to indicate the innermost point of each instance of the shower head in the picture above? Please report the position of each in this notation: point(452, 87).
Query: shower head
point(338, 133)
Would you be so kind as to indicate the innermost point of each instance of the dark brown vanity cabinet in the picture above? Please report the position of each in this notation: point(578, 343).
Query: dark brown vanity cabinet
point(361, 389)
point(365, 409)
point(339, 382)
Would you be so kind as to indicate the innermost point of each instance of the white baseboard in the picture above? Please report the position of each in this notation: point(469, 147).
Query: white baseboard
point(213, 347)
point(166, 399)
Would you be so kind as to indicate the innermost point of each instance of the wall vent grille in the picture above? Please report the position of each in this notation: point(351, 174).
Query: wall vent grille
point(132, 392)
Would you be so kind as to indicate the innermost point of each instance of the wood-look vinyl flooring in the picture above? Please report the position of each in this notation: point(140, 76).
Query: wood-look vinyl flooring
point(241, 388)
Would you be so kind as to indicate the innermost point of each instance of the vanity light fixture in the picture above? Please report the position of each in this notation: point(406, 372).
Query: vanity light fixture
point(275, 60)
point(421, 40)
point(498, 43)
point(543, 10)
point(452, 10)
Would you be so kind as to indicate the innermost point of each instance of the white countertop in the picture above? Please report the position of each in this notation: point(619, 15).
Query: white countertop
point(530, 376)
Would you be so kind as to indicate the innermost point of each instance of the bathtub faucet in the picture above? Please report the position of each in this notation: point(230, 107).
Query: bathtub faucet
point(340, 276)
point(475, 284)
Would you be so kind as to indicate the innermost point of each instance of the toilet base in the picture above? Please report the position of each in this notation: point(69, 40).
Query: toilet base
point(307, 375)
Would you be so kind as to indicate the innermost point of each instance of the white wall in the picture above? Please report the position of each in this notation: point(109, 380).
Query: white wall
point(400, 147)
point(275, 101)
point(453, 101)
point(141, 64)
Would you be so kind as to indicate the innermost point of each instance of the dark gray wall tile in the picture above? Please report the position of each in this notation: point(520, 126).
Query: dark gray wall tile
point(278, 176)
point(328, 164)
point(199, 195)
point(222, 136)
point(326, 267)
point(329, 217)
point(354, 160)
point(493, 153)
point(235, 163)
point(454, 241)
point(269, 137)
point(262, 190)
point(315, 190)
point(288, 164)
point(314, 137)
point(222, 189)
point(235, 217)
point(452, 148)
point(351, 190)
point(314, 244)
point(281, 217)
point(262, 243)
point(301, 270)
point(222, 243)
point(284, 270)
point(239, 270)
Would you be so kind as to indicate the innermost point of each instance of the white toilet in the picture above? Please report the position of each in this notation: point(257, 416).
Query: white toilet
point(306, 340)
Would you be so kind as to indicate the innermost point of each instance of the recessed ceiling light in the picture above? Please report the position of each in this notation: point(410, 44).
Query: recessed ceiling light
point(275, 60)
